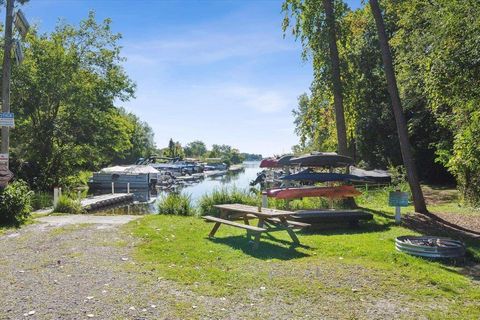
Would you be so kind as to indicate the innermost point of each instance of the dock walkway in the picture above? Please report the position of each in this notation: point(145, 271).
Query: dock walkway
point(104, 200)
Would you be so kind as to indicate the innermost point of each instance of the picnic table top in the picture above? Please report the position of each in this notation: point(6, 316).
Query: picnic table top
point(265, 213)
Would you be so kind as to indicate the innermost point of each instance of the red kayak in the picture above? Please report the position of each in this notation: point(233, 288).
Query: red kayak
point(328, 192)
point(269, 163)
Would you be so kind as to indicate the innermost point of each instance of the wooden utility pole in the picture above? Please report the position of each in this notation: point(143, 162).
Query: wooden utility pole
point(405, 147)
point(336, 81)
point(7, 68)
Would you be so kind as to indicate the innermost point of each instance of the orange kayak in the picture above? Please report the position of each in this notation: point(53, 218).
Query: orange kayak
point(328, 192)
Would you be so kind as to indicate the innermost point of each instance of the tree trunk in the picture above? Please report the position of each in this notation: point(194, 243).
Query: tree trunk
point(336, 81)
point(405, 147)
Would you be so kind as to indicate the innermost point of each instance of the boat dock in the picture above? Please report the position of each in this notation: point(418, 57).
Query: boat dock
point(236, 168)
point(97, 202)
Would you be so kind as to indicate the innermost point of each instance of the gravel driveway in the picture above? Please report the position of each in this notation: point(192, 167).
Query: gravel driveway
point(80, 267)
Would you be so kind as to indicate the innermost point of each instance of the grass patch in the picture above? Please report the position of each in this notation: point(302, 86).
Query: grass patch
point(347, 266)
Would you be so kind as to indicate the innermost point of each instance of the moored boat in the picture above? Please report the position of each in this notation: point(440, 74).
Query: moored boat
point(134, 176)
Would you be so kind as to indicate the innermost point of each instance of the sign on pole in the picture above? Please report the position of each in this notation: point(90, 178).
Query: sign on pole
point(18, 51)
point(398, 200)
point(21, 23)
point(7, 119)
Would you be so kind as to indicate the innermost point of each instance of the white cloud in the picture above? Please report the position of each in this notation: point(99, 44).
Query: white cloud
point(260, 99)
point(203, 47)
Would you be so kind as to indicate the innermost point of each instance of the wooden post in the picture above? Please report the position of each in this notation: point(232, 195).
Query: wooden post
point(7, 68)
point(264, 200)
point(113, 187)
point(398, 217)
point(55, 197)
point(128, 187)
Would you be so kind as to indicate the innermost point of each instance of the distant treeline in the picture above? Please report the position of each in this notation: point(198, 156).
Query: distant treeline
point(252, 157)
point(436, 50)
point(198, 149)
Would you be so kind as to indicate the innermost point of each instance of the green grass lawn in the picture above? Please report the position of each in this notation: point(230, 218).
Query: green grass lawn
point(352, 269)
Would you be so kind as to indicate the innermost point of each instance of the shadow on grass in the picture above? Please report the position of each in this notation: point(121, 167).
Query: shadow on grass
point(355, 228)
point(431, 225)
point(364, 227)
point(265, 250)
point(378, 213)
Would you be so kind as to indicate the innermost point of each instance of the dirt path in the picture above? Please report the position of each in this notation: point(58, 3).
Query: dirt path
point(80, 267)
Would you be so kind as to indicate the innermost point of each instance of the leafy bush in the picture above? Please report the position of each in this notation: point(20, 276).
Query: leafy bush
point(298, 204)
point(79, 179)
point(68, 205)
point(41, 200)
point(176, 204)
point(15, 203)
point(223, 196)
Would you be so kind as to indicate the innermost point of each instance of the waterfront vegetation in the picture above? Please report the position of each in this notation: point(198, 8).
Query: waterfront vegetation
point(225, 196)
point(355, 266)
point(42, 199)
point(174, 203)
point(67, 204)
point(15, 203)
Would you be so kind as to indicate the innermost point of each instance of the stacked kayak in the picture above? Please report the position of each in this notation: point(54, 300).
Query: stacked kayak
point(312, 176)
point(269, 163)
point(313, 164)
point(322, 159)
point(375, 176)
point(280, 162)
point(336, 192)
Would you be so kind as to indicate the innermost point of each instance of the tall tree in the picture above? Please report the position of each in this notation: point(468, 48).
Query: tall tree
point(336, 80)
point(315, 23)
point(171, 148)
point(417, 194)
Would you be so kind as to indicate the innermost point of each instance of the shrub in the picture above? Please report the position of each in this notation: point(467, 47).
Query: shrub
point(41, 200)
point(223, 196)
point(298, 204)
point(176, 204)
point(15, 203)
point(68, 205)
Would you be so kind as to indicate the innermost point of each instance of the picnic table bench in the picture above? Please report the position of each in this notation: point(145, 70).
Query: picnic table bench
point(269, 220)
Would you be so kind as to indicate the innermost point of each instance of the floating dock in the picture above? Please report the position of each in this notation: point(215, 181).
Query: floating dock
point(97, 202)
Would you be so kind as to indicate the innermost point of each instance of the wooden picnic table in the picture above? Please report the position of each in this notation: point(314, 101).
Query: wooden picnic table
point(269, 220)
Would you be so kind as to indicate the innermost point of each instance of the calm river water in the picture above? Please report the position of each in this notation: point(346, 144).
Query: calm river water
point(239, 180)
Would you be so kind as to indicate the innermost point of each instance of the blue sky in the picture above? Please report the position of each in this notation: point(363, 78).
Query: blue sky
point(216, 71)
